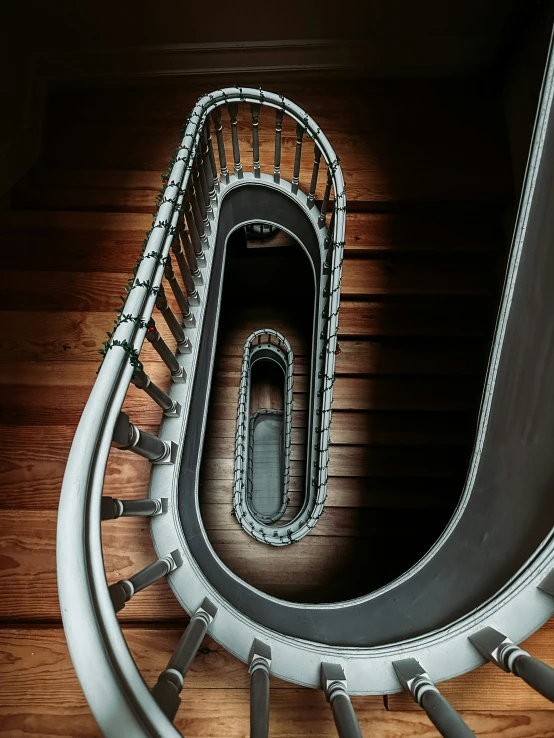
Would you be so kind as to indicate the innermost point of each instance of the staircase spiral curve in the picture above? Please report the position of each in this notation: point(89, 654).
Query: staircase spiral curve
point(485, 585)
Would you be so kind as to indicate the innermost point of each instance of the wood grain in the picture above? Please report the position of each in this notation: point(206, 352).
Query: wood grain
point(36, 662)
point(202, 715)
point(367, 461)
point(100, 291)
point(37, 654)
point(359, 429)
point(489, 688)
point(80, 236)
point(393, 357)
point(426, 193)
point(78, 336)
point(349, 393)
point(358, 492)
point(32, 462)
point(28, 590)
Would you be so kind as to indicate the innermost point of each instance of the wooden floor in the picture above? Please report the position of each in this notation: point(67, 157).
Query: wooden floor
point(428, 185)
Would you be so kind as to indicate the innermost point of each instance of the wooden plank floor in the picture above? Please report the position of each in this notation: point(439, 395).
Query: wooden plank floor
point(428, 181)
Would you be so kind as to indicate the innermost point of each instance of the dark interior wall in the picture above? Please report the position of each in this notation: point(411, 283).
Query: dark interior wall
point(484, 24)
point(522, 76)
point(44, 42)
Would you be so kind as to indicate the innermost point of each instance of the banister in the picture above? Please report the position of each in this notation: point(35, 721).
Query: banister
point(113, 686)
point(253, 523)
point(369, 666)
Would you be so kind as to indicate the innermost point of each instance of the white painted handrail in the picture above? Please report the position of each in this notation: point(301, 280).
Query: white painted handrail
point(118, 696)
point(270, 341)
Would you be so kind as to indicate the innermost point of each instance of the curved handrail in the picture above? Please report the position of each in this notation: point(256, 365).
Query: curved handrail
point(297, 662)
point(110, 679)
point(112, 684)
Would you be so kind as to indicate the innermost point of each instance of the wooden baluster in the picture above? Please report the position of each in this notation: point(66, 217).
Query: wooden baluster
point(233, 112)
point(122, 591)
point(297, 157)
point(415, 680)
point(213, 165)
point(182, 302)
point(128, 437)
point(325, 202)
point(170, 682)
point(334, 686)
point(186, 275)
point(504, 653)
point(255, 107)
point(315, 172)
point(211, 178)
point(183, 343)
point(199, 203)
point(192, 216)
point(142, 381)
point(277, 159)
point(328, 244)
point(112, 508)
point(216, 116)
point(204, 186)
point(190, 248)
point(260, 664)
point(178, 373)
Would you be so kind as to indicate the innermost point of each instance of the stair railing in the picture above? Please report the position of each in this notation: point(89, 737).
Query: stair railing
point(121, 701)
point(271, 342)
point(117, 694)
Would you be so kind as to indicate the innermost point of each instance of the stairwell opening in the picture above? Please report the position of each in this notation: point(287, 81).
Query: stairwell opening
point(266, 472)
point(268, 282)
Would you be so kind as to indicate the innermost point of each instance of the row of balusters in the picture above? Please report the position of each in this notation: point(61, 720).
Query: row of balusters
point(491, 643)
point(243, 422)
point(205, 180)
point(126, 435)
point(199, 200)
point(188, 251)
point(256, 167)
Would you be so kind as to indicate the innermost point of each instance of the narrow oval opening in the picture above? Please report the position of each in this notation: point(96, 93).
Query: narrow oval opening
point(266, 453)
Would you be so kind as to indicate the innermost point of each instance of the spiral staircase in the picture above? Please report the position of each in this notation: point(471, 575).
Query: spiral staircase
point(448, 613)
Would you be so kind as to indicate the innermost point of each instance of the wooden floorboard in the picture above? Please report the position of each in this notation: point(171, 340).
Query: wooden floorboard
point(68, 336)
point(215, 697)
point(425, 243)
point(205, 715)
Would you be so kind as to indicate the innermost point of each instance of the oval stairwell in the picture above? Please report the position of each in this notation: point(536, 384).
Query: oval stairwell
point(446, 613)
point(298, 501)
